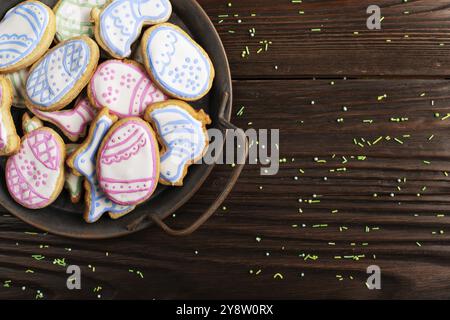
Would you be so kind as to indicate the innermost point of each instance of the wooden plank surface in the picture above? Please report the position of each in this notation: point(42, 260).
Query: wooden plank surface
point(413, 40)
point(260, 232)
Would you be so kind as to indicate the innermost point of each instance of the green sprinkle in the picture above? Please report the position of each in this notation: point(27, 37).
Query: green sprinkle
point(426, 162)
point(241, 111)
point(278, 276)
point(38, 257)
point(316, 30)
point(377, 140)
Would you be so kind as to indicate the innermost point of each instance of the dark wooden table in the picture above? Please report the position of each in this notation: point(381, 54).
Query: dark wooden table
point(390, 206)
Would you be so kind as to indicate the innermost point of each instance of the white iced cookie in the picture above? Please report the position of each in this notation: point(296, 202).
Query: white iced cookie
point(124, 87)
point(18, 80)
point(72, 122)
point(83, 163)
point(176, 63)
point(73, 18)
point(182, 133)
point(26, 33)
point(35, 175)
point(119, 24)
point(129, 144)
point(9, 140)
point(59, 77)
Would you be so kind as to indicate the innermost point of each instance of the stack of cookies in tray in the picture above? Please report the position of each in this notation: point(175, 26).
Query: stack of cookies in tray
point(113, 78)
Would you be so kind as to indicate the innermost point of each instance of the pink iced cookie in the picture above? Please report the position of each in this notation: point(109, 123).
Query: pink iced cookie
point(124, 88)
point(73, 122)
point(128, 162)
point(35, 175)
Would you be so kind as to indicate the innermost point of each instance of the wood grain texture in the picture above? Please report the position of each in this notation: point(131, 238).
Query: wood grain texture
point(261, 228)
point(268, 225)
point(413, 40)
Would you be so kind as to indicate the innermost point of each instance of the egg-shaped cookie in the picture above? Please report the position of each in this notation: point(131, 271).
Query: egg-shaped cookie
point(176, 63)
point(128, 162)
point(124, 87)
point(59, 77)
point(26, 32)
point(35, 175)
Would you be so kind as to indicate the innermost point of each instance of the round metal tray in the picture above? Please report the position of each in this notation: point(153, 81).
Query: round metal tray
point(64, 218)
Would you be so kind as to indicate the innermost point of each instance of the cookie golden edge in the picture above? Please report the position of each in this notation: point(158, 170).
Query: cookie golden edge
point(13, 139)
point(71, 159)
point(61, 178)
point(90, 93)
point(144, 43)
point(41, 48)
point(80, 84)
point(155, 139)
point(199, 115)
point(95, 17)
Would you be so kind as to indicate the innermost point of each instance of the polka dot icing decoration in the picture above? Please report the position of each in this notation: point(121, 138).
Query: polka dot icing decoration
point(124, 87)
point(35, 175)
point(83, 162)
point(26, 32)
point(130, 144)
point(118, 25)
point(59, 77)
point(176, 63)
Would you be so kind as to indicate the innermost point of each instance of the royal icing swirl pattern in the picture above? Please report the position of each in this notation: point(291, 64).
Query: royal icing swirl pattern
point(121, 22)
point(124, 87)
point(177, 63)
point(21, 31)
point(57, 74)
point(184, 138)
point(73, 18)
point(32, 175)
point(131, 145)
point(85, 164)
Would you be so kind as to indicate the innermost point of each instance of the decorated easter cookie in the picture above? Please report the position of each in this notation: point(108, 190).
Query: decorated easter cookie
point(18, 80)
point(9, 140)
point(35, 175)
point(182, 133)
point(26, 32)
point(83, 163)
point(124, 87)
point(118, 25)
point(73, 123)
point(59, 77)
point(129, 144)
point(73, 18)
point(73, 183)
point(176, 63)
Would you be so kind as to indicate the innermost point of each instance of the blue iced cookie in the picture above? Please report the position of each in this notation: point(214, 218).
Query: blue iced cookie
point(176, 63)
point(183, 136)
point(83, 163)
point(26, 33)
point(119, 23)
point(60, 76)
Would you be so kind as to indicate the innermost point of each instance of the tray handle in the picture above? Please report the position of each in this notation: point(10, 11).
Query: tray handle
point(224, 124)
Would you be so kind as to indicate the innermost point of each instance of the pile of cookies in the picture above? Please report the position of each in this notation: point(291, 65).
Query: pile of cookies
point(141, 130)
